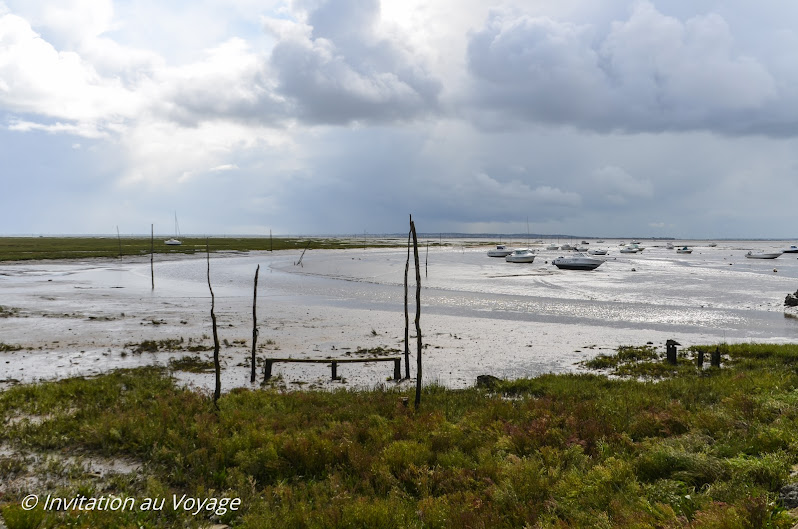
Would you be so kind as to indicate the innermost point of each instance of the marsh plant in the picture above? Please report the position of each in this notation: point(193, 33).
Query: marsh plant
point(695, 448)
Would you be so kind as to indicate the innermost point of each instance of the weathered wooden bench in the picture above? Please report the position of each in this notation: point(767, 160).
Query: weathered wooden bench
point(397, 364)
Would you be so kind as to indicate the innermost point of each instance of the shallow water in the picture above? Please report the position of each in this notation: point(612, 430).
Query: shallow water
point(479, 314)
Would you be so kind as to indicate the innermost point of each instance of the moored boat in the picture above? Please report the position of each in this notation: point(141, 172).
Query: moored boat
point(578, 261)
point(763, 255)
point(521, 255)
point(791, 249)
point(684, 249)
point(500, 251)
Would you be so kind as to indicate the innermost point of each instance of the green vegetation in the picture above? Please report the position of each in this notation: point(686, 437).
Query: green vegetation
point(705, 448)
point(25, 248)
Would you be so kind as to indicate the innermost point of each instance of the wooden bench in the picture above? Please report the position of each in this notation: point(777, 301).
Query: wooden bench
point(397, 364)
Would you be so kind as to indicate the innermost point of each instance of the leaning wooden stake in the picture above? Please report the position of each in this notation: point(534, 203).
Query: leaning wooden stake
point(407, 319)
point(152, 252)
point(254, 324)
point(217, 392)
point(418, 314)
point(118, 238)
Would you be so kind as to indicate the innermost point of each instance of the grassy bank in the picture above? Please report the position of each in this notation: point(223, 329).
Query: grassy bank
point(27, 248)
point(683, 448)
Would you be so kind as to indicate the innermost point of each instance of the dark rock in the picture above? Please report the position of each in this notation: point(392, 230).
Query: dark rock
point(791, 300)
point(487, 381)
point(789, 495)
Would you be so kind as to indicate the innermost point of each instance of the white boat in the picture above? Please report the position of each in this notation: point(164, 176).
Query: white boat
point(174, 241)
point(500, 251)
point(791, 249)
point(578, 261)
point(669, 246)
point(684, 250)
point(566, 247)
point(763, 255)
point(521, 255)
point(629, 249)
point(581, 248)
point(712, 244)
point(600, 241)
point(552, 247)
point(597, 251)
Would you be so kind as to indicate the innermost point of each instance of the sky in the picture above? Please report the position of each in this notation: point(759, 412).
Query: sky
point(617, 118)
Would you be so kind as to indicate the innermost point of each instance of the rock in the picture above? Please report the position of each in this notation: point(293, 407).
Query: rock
point(487, 381)
point(789, 495)
point(791, 300)
point(791, 312)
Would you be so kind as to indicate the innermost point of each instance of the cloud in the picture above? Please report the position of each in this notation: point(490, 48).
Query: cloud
point(618, 187)
point(336, 66)
point(650, 72)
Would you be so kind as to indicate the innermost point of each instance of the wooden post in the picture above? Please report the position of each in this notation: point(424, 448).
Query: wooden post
point(407, 318)
point(118, 238)
point(254, 325)
point(271, 247)
point(700, 359)
point(418, 314)
point(335, 370)
point(715, 358)
point(217, 392)
point(267, 369)
point(426, 262)
point(397, 369)
point(152, 252)
point(670, 346)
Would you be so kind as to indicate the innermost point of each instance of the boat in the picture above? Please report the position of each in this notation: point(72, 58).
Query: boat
point(566, 247)
point(600, 241)
point(521, 255)
point(629, 249)
point(712, 244)
point(791, 249)
point(552, 246)
point(684, 250)
point(174, 241)
point(669, 246)
point(581, 248)
point(500, 251)
point(578, 261)
point(597, 251)
point(763, 255)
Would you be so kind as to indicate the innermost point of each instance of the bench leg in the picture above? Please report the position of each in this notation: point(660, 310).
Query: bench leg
point(267, 370)
point(397, 370)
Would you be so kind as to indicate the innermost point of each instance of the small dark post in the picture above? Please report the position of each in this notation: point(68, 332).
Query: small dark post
point(670, 346)
point(152, 252)
point(267, 369)
point(715, 358)
point(397, 369)
point(335, 371)
point(254, 325)
point(426, 262)
point(700, 359)
point(118, 238)
point(271, 247)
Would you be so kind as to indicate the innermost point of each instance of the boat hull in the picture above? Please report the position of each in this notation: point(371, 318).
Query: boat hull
point(762, 255)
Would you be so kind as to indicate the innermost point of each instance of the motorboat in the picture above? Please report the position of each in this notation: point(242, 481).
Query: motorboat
point(552, 247)
point(566, 247)
point(581, 248)
point(791, 249)
point(629, 249)
point(521, 255)
point(763, 255)
point(578, 261)
point(685, 249)
point(597, 251)
point(500, 251)
point(712, 244)
point(669, 246)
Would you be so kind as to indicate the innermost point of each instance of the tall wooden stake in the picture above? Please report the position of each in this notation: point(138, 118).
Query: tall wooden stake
point(152, 252)
point(407, 319)
point(254, 324)
point(271, 247)
point(418, 314)
point(217, 392)
point(118, 238)
point(426, 262)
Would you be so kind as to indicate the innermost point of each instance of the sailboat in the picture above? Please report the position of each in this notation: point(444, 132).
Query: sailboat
point(174, 241)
